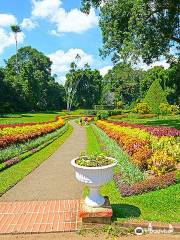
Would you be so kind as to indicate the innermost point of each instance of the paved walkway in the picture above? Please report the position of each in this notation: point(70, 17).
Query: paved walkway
point(39, 216)
point(53, 179)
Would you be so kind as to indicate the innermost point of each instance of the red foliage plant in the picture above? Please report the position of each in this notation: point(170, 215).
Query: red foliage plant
point(146, 185)
point(158, 131)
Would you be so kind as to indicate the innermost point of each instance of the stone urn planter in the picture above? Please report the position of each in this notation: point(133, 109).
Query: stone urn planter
point(94, 177)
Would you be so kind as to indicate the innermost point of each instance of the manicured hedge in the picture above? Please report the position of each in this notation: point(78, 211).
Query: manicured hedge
point(155, 96)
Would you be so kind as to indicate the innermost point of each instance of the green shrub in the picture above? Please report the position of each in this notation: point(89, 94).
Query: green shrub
point(174, 109)
point(120, 116)
point(126, 110)
point(169, 109)
point(119, 104)
point(134, 103)
point(103, 114)
point(164, 108)
point(115, 112)
point(155, 96)
point(142, 108)
point(148, 115)
point(91, 112)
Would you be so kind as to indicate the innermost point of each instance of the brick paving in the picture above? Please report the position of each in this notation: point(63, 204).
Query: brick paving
point(39, 216)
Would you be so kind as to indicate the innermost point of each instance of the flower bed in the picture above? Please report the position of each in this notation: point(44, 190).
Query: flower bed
point(157, 131)
point(71, 116)
point(25, 124)
point(90, 117)
point(146, 185)
point(130, 172)
point(15, 150)
point(16, 133)
point(29, 151)
point(153, 148)
point(119, 116)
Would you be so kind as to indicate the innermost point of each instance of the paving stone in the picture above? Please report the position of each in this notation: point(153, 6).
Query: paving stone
point(40, 216)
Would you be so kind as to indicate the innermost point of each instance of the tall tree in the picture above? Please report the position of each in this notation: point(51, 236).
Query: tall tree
point(2, 92)
point(6, 95)
point(173, 82)
point(56, 99)
point(33, 86)
point(88, 86)
point(72, 85)
point(138, 28)
point(87, 4)
point(16, 29)
point(124, 82)
point(157, 72)
point(168, 78)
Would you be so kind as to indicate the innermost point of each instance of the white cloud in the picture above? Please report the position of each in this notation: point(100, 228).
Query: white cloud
point(74, 21)
point(7, 20)
point(71, 21)
point(6, 36)
point(45, 8)
point(145, 67)
point(62, 60)
point(55, 33)
point(104, 70)
point(7, 39)
point(28, 24)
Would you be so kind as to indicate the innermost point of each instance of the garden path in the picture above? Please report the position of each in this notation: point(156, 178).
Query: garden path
point(53, 179)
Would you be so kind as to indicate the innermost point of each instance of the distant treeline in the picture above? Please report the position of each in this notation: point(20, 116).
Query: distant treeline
point(30, 86)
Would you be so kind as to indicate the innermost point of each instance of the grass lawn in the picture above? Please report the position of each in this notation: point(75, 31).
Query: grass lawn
point(93, 145)
point(161, 205)
point(36, 117)
point(17, 172)
point(171, 121)
point(29, 117)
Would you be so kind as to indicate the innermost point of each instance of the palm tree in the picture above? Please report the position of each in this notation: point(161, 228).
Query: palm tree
point(72, 88)
point(16, 29)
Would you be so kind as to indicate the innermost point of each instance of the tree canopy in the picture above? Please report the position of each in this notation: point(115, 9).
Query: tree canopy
point(127, 84)
point(133, 29)
point(34, 87)
point(33, 84)
point(87, 85)
point(124, 82)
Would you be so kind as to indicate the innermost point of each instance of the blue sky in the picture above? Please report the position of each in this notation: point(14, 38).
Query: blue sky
point(57, 28)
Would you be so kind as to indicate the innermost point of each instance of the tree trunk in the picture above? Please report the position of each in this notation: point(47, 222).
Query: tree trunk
point(17, 68)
